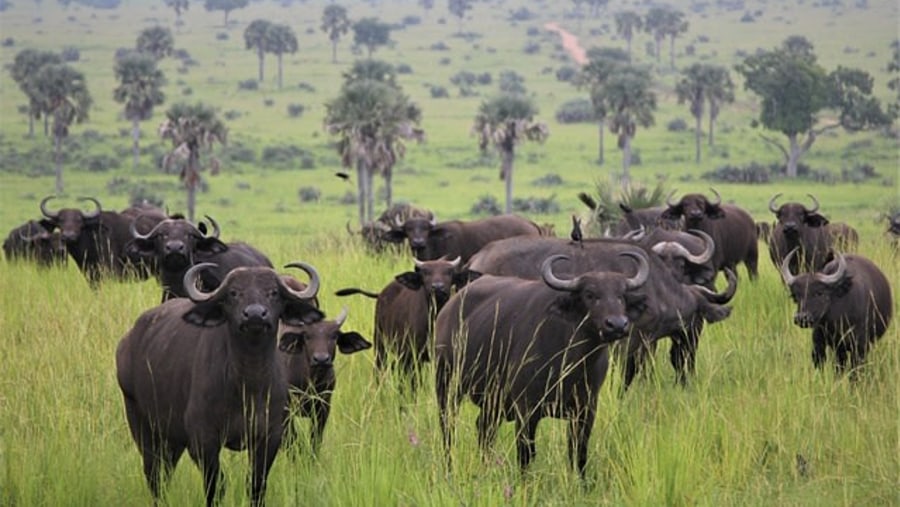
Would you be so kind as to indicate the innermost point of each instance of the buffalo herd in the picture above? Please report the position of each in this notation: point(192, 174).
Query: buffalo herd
point(522, 323)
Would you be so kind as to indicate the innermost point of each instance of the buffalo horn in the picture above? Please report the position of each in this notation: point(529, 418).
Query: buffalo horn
point(30, 236)
point(420, 264)
point(215, 226)
point(815, 203)
point(707, 253)
point(551, 280)
point(45, 211)
point(724, 297)
point(455, 262)
point(136, 235)
point(190, 283)
point(398, 222)
point(786, 268)
point(312, 288)
point(433, 221)
point(97, 207)
point(772, 207)
point(718, 198)
point(636, 234)
point(669, 202)
point(837, 275)
point(342, 317)
point(640, 278)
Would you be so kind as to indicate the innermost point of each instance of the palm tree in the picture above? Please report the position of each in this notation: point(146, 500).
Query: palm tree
point(505, 121)
point(692, 88)
point(627, 23)
point(64, 95)
point(335, 23)
point(602, 63)
point(720, 91)
point(190, 128)
point(631, 103)
point(372, 120)
point(655, 24)
point(675, 25)
point(23, 71)
point(378, 70)
point(156, 41)
point(256, 37)
point(458, 8)
point(140, 90)
point(280, 40)
point(179, 6)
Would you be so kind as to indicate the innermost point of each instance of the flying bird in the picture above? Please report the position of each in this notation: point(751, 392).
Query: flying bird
point(342, 175)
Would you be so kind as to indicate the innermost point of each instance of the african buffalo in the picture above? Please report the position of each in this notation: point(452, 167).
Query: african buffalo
point(526, 349)
point(204, 372)
point(31, 242)
point(647, 218)
point(430, 239)
point(678, 295)
point(308, 354)
point(175, 244)
point(843, 236)
point(802, 228)
point(405, 311)
point(893, 230)
point(847, 304)
point(373, 232)
point(732, 228)
point(96, 240)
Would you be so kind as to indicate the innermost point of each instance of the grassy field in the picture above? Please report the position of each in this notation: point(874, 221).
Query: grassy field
point(757, 425)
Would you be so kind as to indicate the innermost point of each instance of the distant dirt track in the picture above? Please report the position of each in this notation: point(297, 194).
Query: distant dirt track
point(570, 43)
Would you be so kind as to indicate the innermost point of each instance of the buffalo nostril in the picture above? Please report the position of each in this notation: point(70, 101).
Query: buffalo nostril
point(617, 323)
point(321, 359)
point(256, 312)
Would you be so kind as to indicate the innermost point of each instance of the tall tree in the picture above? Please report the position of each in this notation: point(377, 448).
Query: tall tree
point(893, 84)
point(631, 103)
point(371, 33)
point(377, 70)
point(505, 121)
point(156, 41)
point(226, 6)
point(795, 89)
point(655, 23)
point(602, 63)
point(427, 5)
point(179, 6)
point(627, 23)
point(674, 25)
point(191, 128)
point(459, 8)
point(65, 98)
point(139, 90)
point(24, 69)
point(336, 24)
point(372, 120)
point(281, 40)
point(256, 38)
point(720, 91)
point(596, 5)
point(692, 88)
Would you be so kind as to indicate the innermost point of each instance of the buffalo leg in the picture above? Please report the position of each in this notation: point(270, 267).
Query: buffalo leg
point(751, 261)
point(579, 433)
point(262, 456)
point(683, 353)
point(818, 351)
point(321, 410)
point(443, 378)
point(159, 456)
point(526, 428)
point(207, 458)
point(488, 422)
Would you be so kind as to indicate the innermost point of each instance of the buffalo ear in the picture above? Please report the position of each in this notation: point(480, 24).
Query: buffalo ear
point(211, 246)
point(815, 220)
point(351, 342)
point(565, 304)
point(394, 236)
point(140, 248)
point(671, 213)
point(843, 286)
point(300, 313)
point(715, 212)
point(411, 280)
point(48, 224)
point(291, 343)
point(712, 312)
point(635, 304)
point(208, 314)
point(439, 232)
point(460, 280)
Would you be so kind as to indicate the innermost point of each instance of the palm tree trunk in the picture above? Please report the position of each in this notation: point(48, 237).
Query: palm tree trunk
point(370, 195)
point(361, 192)
point(30, 125)
point(508, 156)
point(46, 125)
point(672, 51)
point(136, 137)
point(628, 40)
point(600, 129)
point(794, 155)
point(192, 178)
point(626, 160)
point(57, 146)
point(698, 135)
point(279, 71)
point(388, 187)
point(261, 55)
point(712, 122)
point(334, 51)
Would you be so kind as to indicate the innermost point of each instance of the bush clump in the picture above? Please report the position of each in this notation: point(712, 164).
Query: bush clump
point(575, 111)
point(309, 194)
point(486, 205)
point(677, 125)
point(439, 92)
point(566, 73)
point(288, 157)
point(101, 163)
point(548, 180)
point(536, 205)
point(70, 54)
point(295, 110)
point(248, 84)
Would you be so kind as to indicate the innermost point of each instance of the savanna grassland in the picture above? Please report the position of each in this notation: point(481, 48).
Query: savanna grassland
point(758, 425)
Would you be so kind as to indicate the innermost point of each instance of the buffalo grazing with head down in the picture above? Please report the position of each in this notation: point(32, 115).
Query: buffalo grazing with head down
point(31, 242)
point(732, 228)
point(205, 372)
point(405, 311)
point(523, 350)
point(430, 239)
point(847, 303)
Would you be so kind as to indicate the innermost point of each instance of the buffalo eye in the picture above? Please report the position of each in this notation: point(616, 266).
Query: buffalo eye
point(233, 293)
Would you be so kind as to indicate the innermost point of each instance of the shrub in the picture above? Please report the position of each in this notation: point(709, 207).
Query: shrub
point(348, 198)
point(101, 163)
point(221, 36)
point(295, 110)
point(248, 84)
point(751, 173)
point(439, 46)
point(403, 68)
point(304, 86)
point(484, 78)
point(237, 152)
point(8, 42)
point(309, 194)
point(486, 205)
point(575, 111)
point(532, 48)
point(411, 20)
point(677, 125)
point(532, 31)
point(288, 157)
point(439, 92)
point(520, 14)
point(566, 73)
point(232, 114)
point(269, 102)
point(511, 82)
point(548, 180)
point(445, 61)
point(536, 205)
point(70, 54)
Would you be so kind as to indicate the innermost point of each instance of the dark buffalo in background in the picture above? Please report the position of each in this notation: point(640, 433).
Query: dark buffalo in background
point(676, 305)
point(205, 372)
point(844, 237)
point(893, 230)
point(848, 305)
point(96, 239)
point(523, 350)
point(732, 228)
point(764, 231)
point(175, 244)
point(430, 239)
point(634, 219)
point(802, 228)
point(373, 233)
point(405, 311)
point(308, 354)
point(33, 243)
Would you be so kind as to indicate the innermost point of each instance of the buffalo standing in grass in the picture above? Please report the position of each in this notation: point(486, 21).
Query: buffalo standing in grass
point(732, 228)
point(893, 231)
point(847, 304)
point(308, 356)
point(430, 239)
point(175, 244)
point(802, 228)
point(31, 242)
point(204, 372)
point(96, 240)
point(405, 312)
point(524, 349)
